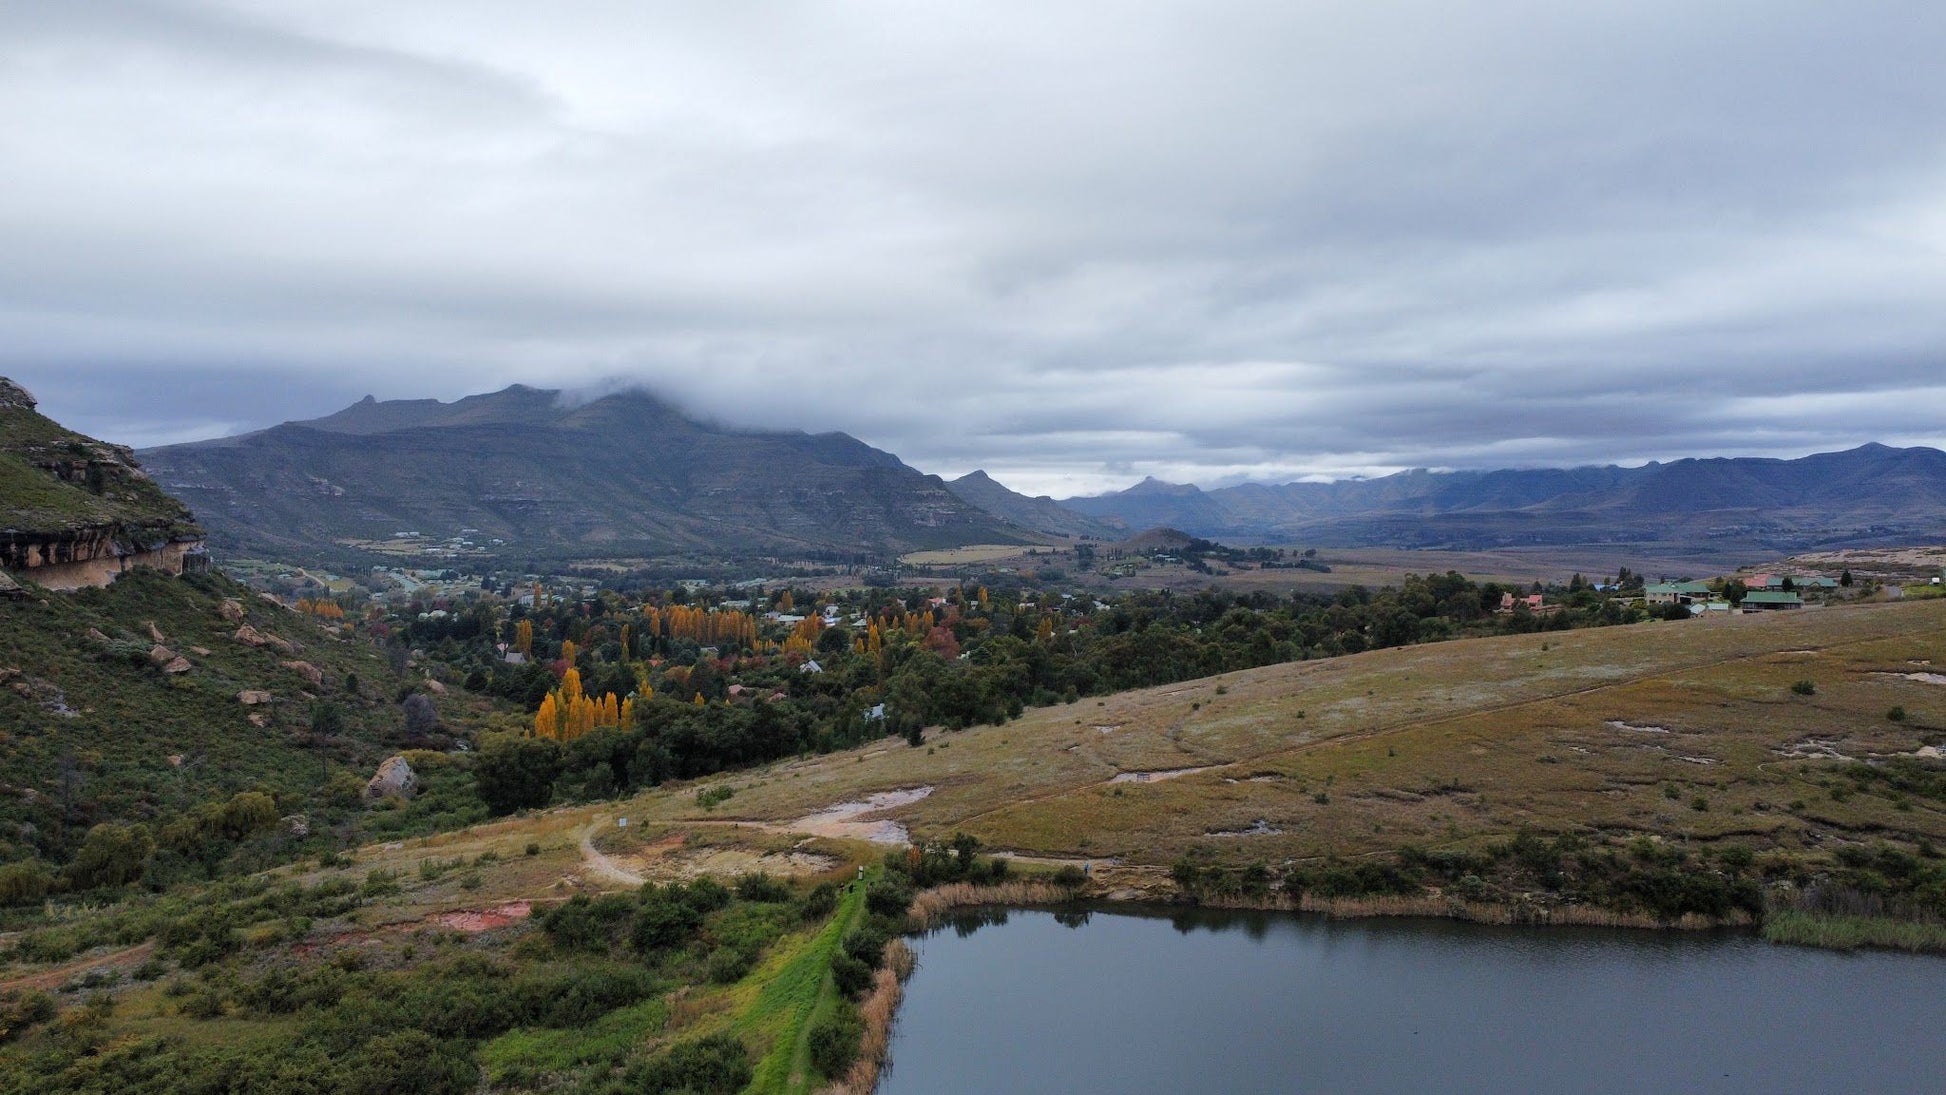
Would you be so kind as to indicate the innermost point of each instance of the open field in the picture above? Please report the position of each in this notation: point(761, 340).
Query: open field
point(963, 556)
point(1683, 731)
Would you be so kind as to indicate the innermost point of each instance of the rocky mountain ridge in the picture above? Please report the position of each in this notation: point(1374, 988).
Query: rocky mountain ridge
point(525, 472)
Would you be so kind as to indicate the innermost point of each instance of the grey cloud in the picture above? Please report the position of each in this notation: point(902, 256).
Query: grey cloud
point(1070, 244)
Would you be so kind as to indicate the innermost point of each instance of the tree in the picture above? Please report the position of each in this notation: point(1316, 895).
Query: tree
point(111, 855)
point(516, 773)
point(421, 717)
point(1845, 578)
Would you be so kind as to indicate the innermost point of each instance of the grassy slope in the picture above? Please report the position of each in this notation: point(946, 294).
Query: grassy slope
point(127, 718)
point(1438, 745)
point(36, 500)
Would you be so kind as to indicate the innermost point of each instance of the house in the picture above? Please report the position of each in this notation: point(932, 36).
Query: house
point(1764, 583)
point(1533, 602)
point(1765, 601)
point(1670, 593)
point(811, 666)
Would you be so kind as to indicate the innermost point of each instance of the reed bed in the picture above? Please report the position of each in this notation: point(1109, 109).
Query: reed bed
point(877, 1009)
point(1353, 908)
point(1846, 932)
point(930, 906)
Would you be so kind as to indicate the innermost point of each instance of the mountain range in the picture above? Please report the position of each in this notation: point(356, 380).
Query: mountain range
point(626, 474)
point(1872, 493)
point(527, 472)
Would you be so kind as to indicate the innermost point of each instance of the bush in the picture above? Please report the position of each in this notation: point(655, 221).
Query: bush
point(1896, 714)
point(704, 894)
point(834, 1042)
point(716, 1065)
point(664, 921)
point(1070, 877)
point(727, 964)
point(24, 883)
point(110, 855)
point(889, 895)
point(852, 976)
point(820, 902)
point(1805, 688)
point(584, 924)
point(762, 887)
point(20, 1010)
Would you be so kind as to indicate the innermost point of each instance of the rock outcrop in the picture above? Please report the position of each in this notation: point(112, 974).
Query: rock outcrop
point(394, 777)
point(75, 511)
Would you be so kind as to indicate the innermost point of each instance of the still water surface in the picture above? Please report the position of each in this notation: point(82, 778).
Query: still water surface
point(1263, 1002)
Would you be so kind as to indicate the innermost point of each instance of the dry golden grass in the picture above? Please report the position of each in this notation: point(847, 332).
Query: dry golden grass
point(935, 903)
point(964, 556)
point(1437, 745)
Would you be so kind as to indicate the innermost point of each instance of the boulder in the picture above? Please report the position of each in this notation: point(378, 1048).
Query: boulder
point(177, 666)
point(296, 825)
point(250, 636)
point(257, 719)
point(95, 634)
point(251, 697)
point(156, 633)
point(306, 670)
point(435, 687)
point(161, 655)
point(394, 777)
point(200, 651)
point(232, 610)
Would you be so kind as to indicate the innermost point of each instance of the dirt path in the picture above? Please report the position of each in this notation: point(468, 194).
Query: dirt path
point(601, 864)
point(128, 957)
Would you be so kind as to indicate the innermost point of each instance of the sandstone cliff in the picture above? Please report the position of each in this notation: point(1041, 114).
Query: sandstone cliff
point(75, 511)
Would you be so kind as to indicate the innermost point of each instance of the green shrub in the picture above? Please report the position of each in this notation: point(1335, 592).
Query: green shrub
point(727, 964)
point(24, 883)
point(761, 887)
point(1896, 714)
point(1804, 688)
point(664, 921)
point(582, 923)
point(851, 975)
point(889, 895)
point(834, 1042)
point(820, 902)
point(21, 1010)
point(715, 1065)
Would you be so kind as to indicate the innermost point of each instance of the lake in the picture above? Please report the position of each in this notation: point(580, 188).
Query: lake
point(1202, 1001)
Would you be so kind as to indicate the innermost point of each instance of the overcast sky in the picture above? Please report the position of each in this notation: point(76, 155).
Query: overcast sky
point(1071, 244)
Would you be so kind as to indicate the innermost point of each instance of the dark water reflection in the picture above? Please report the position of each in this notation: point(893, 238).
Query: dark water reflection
point(1206, 1001)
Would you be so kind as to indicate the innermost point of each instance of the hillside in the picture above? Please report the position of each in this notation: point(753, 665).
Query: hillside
point(1606, 734)
point(74, 510)
point(142, 700)
point(1042, 514)
point(1871, 494)
point(522, 473)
